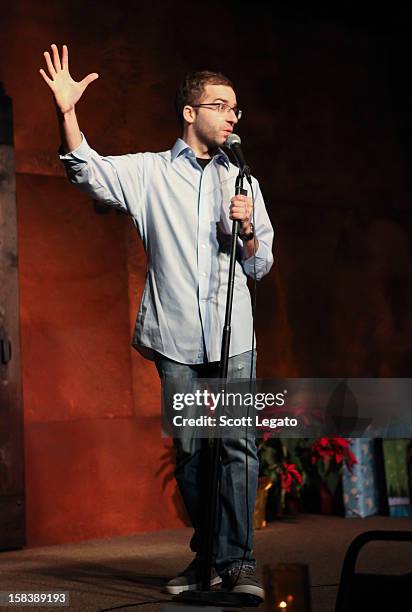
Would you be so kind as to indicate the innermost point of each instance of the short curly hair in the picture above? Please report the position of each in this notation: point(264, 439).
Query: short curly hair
point(192, 88)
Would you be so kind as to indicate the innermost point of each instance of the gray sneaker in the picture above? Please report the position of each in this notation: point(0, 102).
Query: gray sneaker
point(190, 579)
point(242, 579)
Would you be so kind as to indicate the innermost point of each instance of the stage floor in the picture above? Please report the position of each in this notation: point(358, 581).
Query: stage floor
point(129, 572)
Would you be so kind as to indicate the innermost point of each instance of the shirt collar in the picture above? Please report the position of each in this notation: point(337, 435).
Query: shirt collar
point(181, 148)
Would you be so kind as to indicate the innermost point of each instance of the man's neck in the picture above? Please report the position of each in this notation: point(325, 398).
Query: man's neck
point(200, 149)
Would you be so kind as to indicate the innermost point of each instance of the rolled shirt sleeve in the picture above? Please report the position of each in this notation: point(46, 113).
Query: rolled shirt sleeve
point(262, 261)
point(115, 180)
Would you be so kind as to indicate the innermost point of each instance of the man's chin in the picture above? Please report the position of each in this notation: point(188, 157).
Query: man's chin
point(220, 141)
point(216, 142)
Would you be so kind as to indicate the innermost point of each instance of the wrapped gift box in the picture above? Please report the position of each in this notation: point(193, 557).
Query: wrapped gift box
point(360, 487)
point(395, 453)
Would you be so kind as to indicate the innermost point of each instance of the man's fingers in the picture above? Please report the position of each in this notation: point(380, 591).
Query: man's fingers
point(89, 78)
point(56, 58)
point(241, 209)
point(49, 63)
point(45, 77)
point(240, 214)
point(65, 58)
point(241, 205)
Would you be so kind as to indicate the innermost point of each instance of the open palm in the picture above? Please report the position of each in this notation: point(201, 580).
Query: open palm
point(66, 91)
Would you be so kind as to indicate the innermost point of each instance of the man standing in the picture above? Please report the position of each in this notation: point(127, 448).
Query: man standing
point(181, 202)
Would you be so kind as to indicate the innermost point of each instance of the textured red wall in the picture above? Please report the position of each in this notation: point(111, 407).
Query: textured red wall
point(325, 141)
point(92, 448)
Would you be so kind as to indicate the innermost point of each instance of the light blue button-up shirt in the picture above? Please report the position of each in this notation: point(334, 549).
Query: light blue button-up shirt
point(182, 215)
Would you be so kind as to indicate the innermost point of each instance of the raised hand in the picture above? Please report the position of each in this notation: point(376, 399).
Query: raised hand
point(66, 91)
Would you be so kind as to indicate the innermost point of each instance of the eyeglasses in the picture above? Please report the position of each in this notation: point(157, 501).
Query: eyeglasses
point(221, 107)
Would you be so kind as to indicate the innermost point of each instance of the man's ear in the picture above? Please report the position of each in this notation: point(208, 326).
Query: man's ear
point(189, 114)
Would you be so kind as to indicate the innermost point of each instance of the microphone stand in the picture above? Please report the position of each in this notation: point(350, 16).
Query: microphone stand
point(206, 595)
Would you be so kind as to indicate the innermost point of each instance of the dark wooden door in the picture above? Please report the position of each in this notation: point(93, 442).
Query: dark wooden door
point(12, 507)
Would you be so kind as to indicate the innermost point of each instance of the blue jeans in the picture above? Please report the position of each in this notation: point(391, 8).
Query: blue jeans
point(234, 532)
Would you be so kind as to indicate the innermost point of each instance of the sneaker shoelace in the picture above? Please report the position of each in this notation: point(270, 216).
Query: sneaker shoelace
point(244, 571)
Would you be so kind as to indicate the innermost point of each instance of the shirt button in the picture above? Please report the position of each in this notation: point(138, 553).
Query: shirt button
point(203, 246)
point(204, 274)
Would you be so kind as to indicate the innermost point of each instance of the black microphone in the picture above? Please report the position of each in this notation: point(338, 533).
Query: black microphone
point(233, 142)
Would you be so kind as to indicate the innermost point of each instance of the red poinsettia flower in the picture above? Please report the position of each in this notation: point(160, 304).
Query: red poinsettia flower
point(289, 476)
point(335, 448)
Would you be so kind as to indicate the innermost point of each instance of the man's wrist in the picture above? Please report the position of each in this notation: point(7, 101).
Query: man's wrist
point(69, 114)
point(247, 233)
point(66, 115)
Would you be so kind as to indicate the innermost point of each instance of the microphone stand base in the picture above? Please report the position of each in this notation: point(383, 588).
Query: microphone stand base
point(221, 598)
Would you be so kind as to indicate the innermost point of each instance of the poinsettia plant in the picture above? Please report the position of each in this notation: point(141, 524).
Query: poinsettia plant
point(329, 455)
point(291, 480)
point(279, 463)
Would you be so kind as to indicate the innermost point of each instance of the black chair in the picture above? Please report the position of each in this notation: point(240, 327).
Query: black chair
point(373, 592)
